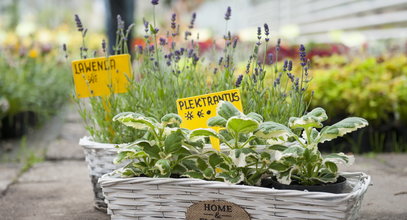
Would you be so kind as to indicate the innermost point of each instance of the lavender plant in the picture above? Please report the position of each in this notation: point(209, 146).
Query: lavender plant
point(97, 112)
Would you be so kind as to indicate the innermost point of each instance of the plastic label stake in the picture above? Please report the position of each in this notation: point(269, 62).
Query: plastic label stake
point(101, 76)
point(196, 110)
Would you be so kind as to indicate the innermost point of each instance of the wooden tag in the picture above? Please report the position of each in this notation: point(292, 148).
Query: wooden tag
point(214, 210)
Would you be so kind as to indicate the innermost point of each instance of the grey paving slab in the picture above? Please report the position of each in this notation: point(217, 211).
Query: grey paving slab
point(51, 190)
point(386, 198)
point(62, 149)
point(8, 173)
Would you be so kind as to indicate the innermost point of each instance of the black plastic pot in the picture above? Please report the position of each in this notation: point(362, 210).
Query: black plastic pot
point(337, 187)
point(17, 125)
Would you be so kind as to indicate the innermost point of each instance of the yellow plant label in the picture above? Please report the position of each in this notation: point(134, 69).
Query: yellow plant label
point(195, 111)
point(101, 76)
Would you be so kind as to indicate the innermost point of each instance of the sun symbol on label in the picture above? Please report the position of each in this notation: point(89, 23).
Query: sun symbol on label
point(200, 114)
point(189, 115)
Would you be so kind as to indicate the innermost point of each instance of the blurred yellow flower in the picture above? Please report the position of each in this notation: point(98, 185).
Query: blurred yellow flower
point(33, 53)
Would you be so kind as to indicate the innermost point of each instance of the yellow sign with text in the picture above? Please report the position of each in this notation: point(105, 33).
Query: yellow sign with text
point(195, 111)
point(101, 76)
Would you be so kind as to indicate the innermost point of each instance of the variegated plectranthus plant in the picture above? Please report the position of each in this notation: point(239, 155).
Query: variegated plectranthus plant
point(302, 162)
point(239, 161)
point(164, 149)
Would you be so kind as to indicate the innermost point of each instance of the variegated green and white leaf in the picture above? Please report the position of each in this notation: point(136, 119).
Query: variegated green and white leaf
point(202, 132)
point(326, 176)
point(135, 120)
point(163, 166)
point(271, 129)
point(339, 158)
point(173, 142)
point(231, 179)
point(241, 124)
point(341, 128)
point(285, 177)
point(314, 135)
point(293, 151)
point(227, 110)
point(239, 156)
point(171, 119)
point(312, 119)
point(255, 116)
point(193, 174)
point(217, 121)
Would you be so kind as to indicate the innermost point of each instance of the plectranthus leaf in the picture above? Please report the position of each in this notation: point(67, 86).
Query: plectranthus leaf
point(217, 121)
point(241, 124)
point(313, 119)
point(341, 128)
point(227, 110)
point(271, 129)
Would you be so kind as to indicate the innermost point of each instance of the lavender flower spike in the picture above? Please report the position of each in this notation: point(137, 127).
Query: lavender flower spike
point(78, 23)
point(191, 25)
point(154, 2)
point(239, 80)
point(228, 13)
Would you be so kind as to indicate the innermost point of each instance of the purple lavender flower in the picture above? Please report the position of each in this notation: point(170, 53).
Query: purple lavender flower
point(259, 33)
point(104, 46)
point(285, 65)
point(234, 43)
point(64, 47)
point(303, 54)
point(239, 80)
point(154, 2)
point(227, 61)
point(220, 61)
point(195, 59)
point(228, 13)
point(248, 67)
point(278, 79)
point(78, 22)
point(140, 49)
point(173, 24)
point(291, 76)
point(187, 34)
point(254, 77)
point(270, 58)
point(190, 53)
point(163, 42)
point(151, 48)
point(278, 44)
point(215, 71)
point(290, 65)
point(120, 23)
point(191, 25)
point(266, 32)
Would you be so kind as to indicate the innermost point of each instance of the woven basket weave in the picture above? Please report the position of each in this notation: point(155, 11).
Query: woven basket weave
point(169, 198)
point(99, 157)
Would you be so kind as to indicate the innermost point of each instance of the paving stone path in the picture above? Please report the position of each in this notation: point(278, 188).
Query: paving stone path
point(60, 187)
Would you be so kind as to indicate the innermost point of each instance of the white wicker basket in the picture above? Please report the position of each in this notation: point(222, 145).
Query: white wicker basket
point(169, 198)
point(99, 157)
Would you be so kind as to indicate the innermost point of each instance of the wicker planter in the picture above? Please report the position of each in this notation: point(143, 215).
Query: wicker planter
point(99, 157)
point(168, 198)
